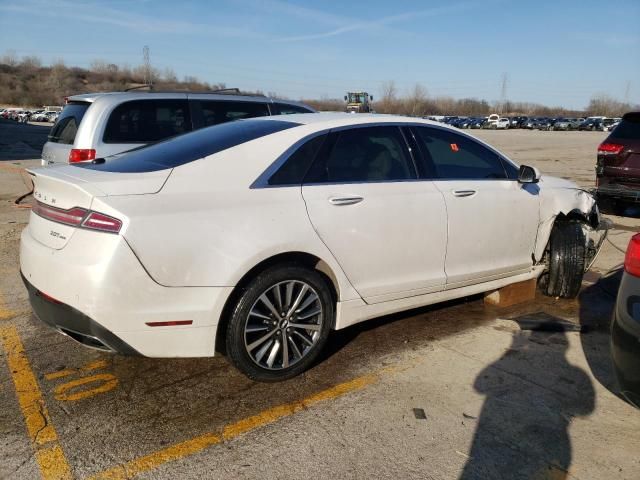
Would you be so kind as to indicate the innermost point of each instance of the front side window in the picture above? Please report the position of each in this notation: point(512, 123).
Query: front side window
point(146, 121)
point(215, 112)
point(452, 156)
point(369, 154)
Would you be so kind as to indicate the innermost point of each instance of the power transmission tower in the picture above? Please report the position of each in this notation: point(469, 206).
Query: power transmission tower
point(147, 66)
point(503, 91)
point(627, 91)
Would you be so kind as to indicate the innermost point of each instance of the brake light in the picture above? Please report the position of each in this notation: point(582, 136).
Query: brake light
point(632, 257)
point(78, 217)
point(105, 223)
point(81, 155)
point(613, 148)
point(73, 216)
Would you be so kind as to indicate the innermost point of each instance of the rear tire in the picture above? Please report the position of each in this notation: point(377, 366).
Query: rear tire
point(264, 344)
point(567, 248)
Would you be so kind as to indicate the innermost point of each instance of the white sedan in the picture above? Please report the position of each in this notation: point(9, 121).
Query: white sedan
point(259, 236)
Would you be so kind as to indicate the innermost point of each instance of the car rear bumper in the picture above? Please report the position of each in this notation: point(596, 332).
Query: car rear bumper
point(95, 290)
point(73, 323)
point(620, 192)
point(625, 338)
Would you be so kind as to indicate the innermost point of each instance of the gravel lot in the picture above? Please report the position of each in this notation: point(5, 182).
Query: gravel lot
point(451, 391)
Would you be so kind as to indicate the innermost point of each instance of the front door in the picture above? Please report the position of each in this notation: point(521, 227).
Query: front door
point(386, 229)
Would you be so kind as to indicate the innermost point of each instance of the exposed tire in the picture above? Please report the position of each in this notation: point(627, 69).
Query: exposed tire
point(567, 248)
point(268, 346)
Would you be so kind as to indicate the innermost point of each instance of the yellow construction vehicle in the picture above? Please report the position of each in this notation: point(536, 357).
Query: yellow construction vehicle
point(358, 102)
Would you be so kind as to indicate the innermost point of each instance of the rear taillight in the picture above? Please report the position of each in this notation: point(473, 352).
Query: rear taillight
point(78, 217)
point(104, 223)
point(612, 148)
point(632, 257)
point(81, 155)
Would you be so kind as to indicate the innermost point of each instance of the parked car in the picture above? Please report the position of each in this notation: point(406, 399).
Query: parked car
point(609, 124)
point(99, 125)
point(264, 234)
point(618, 166)
point(503, 123)
point(592, 124)
point(477, 122)
point(625, 326)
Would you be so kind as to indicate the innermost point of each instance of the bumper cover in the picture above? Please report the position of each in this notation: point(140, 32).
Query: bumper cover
point(75, 324)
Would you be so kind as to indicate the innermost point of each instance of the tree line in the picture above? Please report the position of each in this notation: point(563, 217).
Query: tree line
point(25, 81)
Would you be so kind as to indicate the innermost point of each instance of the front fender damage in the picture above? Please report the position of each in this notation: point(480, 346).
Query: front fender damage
point(570, 204)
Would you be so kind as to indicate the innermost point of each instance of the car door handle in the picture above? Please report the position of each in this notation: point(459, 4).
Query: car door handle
point(463, 193)
point(351, 200)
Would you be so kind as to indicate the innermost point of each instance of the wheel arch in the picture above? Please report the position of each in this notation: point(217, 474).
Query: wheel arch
point(303, 258)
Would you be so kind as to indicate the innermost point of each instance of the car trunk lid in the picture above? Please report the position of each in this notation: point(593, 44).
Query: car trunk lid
point(67, 187)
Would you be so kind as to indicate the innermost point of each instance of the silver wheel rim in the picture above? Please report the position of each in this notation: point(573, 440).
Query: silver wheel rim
point(283, 325)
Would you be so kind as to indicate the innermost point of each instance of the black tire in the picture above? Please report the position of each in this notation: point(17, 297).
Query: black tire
point(567, 248)
point(236, 347)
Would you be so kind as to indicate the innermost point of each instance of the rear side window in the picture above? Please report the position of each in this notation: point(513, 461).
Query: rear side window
point(295, 167)
point(453, 156)
point(209, 112)
point(369, 154)
point(191, 146)
point(629, 127)
point(284, 109)
point(65, 129)
point(146, 121)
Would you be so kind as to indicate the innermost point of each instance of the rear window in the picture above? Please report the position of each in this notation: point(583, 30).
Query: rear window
point(146, 121)
point(628, 128)
point(65, 129)
point(191, 146)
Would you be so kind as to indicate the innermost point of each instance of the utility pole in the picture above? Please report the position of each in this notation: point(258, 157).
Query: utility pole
point(147, 66)
point(503, 91)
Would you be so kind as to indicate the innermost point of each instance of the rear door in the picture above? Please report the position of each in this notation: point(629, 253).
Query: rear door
point(492, 218)
point(386, 228)
point(63, 133)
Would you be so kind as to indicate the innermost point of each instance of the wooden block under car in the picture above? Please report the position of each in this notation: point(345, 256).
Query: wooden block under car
point(512, 294)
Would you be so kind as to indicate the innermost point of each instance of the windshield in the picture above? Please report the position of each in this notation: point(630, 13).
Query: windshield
point(357, 97)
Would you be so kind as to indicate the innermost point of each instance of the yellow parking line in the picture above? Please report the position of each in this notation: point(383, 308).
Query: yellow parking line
point(197, 444)
point(49, 455)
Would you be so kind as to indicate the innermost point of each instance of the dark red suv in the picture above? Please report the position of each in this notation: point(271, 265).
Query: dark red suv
point(618, 167)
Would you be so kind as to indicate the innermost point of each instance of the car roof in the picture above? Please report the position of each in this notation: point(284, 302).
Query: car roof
point(141, 95)
point(339, 119)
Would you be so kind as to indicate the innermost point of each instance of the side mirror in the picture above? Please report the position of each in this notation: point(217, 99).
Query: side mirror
point(528, 174)
point(371, 98)
point(345, 98)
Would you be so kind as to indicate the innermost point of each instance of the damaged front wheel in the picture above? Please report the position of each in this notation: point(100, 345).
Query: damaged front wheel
point(566, 258)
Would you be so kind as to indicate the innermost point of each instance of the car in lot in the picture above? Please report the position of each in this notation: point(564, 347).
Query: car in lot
point(592, 124)
point(503, 123)
point(260, 236)
point(609, 124)
point(625, 326)
point(477, 123)
point(618, 166)
point(99, 125)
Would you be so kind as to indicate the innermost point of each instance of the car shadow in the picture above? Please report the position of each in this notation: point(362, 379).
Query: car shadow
point(532, 393)
point(596, 308)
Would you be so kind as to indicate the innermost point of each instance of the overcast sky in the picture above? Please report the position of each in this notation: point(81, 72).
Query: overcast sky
point(553, 52)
